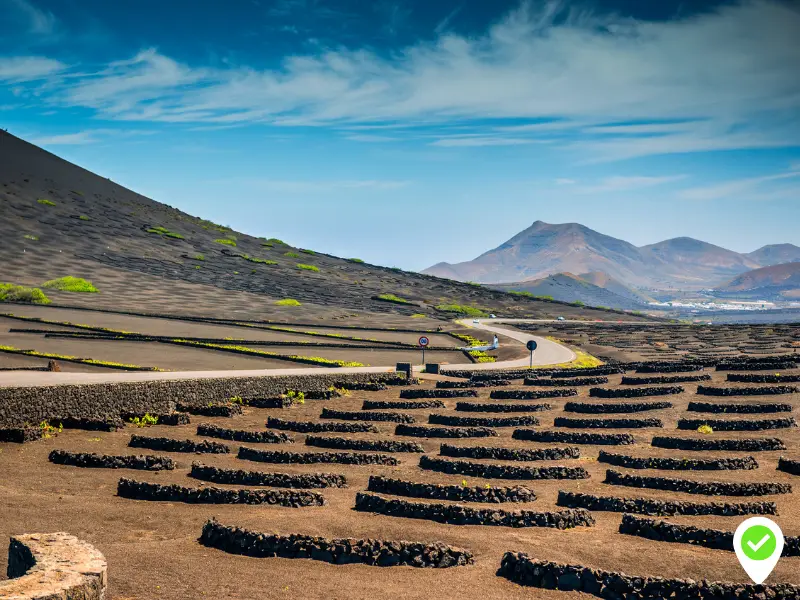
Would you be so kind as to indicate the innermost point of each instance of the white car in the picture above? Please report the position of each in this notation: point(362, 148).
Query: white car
point(560, 319)
point(492, 317)
point(475, 321)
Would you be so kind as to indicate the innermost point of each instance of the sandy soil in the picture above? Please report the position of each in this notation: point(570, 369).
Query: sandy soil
point(153, 553)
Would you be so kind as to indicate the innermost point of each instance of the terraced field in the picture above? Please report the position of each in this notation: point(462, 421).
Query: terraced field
point(486, 503)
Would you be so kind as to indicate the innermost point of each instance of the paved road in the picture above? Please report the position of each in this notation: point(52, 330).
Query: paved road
point(548, 353)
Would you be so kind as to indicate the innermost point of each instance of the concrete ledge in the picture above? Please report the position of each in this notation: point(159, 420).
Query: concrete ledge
point(53, 565)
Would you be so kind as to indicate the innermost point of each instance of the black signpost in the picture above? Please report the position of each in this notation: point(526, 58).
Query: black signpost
point(423, 341)
point(531, 346)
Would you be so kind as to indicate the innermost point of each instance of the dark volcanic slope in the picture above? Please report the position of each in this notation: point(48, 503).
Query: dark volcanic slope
point(571, 288)
point(58, 219)
point(779, 282)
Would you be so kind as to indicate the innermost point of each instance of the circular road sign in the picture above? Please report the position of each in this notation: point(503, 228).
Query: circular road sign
point(531, 345)
point(423, 341)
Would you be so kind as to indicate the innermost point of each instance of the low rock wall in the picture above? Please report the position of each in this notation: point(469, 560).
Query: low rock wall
point(490, 471)
point(678, 464)
point(455, 514)
point(337, 551)
point(663, 508)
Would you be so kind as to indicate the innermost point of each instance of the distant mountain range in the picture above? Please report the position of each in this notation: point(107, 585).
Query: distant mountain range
point(543, 250)
point(778, 282)
point(592, 289)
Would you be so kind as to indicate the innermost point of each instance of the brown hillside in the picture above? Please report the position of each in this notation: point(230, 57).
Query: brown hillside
point(59, 219)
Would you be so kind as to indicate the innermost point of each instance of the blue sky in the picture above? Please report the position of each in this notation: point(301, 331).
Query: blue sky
point(408, 133)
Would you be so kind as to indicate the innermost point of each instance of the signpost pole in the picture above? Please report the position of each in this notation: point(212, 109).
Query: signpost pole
point(531, 345)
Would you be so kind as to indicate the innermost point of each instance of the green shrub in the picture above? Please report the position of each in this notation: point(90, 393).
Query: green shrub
point(461, 309)
point(287, 302)
point(577, 303)
point(71, 284)
point(531, 295)
point(275, 241)
point(28, 236)
point(292, 254)
point(418, 316)
point(355, 260)
point(295, 398)
point(225, 241)
point(17, 293)
point(199, 257)
point(146, 421)
point(165, 232)
point(198, 267)
point(267, 244)
point(392, 298)
point(308, 267)
point(49, 431)
point(46, 202)
point(304, 251)
point(84, 218)
point(254, 259)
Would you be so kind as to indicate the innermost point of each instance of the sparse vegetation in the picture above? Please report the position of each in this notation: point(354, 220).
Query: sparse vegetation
point(308, 267)
point(18, 293)
point(468, 339)
point(469, 311)
point(147, 420)
point(531, 295)
point(355, 260)
point(254, 259)
point(71, 284)
point(305, 251)
point(418, 316)
point(392, 298)
point(49, 431)
point(199, 257)
point(46, 202)
point(76, 359)
point(275, 241)
point(287, 302)
point(317, 360)
point(225, 242)
point(29, 236)
point(295, 398)
point(84, 218)
point(163, 231)
point(481, 356)
point(292, 254)
point(706, 429)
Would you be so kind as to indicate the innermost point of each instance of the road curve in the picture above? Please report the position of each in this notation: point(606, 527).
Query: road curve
point(547, 353)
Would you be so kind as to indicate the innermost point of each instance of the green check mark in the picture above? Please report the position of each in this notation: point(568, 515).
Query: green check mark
point(758, 542)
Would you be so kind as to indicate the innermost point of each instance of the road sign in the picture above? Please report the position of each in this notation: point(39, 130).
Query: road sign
point(531, 345)
point(423, 342)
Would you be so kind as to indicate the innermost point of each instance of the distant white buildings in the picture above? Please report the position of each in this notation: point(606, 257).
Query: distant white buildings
point(699, 306)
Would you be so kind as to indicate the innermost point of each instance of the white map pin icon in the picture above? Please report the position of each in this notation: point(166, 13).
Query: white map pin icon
point(758, 543)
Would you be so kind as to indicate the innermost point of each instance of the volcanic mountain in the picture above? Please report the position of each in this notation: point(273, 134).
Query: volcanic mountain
point(545, 249)
point(57, 219)
point(778, 282)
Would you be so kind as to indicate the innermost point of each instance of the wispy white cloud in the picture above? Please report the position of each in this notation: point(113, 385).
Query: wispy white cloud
point(38, 21)
point(626, 183)
point(475, 141)
point(89, 136)
point(371, 138)
point(739, 187)
point(21, 69)
point(564, 181)
point(724, 79)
